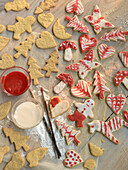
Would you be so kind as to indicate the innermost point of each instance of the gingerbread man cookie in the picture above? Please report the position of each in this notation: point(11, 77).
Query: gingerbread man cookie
point(83, 111)
point(22, 25)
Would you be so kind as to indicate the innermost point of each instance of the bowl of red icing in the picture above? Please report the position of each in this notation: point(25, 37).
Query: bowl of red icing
point(15, 81)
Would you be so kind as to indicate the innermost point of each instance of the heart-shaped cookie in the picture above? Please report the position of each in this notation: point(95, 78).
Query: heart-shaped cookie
point(73, 159)
point(86, 43)
point(7, 61)
point(105, 51)
point(45, 41)
point(81, 90)
point(58, 106)
point(116, 103)
point(45, 19)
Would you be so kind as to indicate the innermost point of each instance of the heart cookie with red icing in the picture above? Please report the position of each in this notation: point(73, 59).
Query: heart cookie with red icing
point(58, 106)
point(105, 51)
point(86, 43)
point(116, 103)
point(73, 159)
point(81, 90)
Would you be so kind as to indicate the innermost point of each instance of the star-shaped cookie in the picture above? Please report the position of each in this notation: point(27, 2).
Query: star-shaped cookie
point(84, 66)
point(97, 21)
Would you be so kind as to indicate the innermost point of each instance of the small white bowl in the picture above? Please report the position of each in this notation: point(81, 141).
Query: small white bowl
point(40, 112)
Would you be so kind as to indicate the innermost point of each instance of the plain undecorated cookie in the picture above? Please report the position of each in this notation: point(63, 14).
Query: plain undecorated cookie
point(6, 61)
point(45, 19)
point(90, 164)
point(59, 31)
point(2, 28)
point(35, 155)
point(95, 150)
point(4, 109)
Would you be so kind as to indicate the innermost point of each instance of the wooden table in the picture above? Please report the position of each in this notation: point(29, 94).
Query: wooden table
point(115, 156)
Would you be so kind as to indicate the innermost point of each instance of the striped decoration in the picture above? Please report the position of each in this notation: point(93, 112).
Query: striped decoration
point(107, 128)
point(124, 57)
point(105, 51)
point(81, 90)
point(75, 6)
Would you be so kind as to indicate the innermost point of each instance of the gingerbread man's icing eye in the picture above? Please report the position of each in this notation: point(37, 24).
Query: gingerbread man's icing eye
point(92, 126)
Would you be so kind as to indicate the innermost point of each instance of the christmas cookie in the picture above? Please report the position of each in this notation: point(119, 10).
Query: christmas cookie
point(76, 24)
point(105, 51)
point(81, 90)
point(116, 103)
point(73, 159)
point(6, 61)
point(68, 132)
point(86, 43)
point(58, 106)
point(121, 77)
point(45, 19)
point(59, 31)
point(4, 109)
point(46, 40)
point(84, 66)
point(17, 139)
point(66, 79)
point(2, 28)
point(16, 163)
point(3, 150)
point(126, 115)
point(75, 6)
point(115, 35)
point(24, 46)
point(16, 5)
point(67, 46)
point(34, 70)
point(106, 128)
point(97, 21)
point(3, 42)
point(45, 6)
point(124, 57)
point(83, 111)
point(51, 64)
point(90, 164)
point(22, 25)
point(99, 84)
point(34, 156)
point(95, 150)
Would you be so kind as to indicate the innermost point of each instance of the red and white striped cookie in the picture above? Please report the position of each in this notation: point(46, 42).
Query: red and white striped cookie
point(73, 159)
point(105, 51)
point(75, 6)
point(124, 57)
point(106, 128)
point(81, 90)
point(86, 43)
point(116, 103)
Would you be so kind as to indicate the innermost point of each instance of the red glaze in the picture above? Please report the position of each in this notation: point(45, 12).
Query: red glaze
point(86, 43)
point(54, 101)
point(67, 44)
point(66, 78)
point(126, 115)
point(15, 83)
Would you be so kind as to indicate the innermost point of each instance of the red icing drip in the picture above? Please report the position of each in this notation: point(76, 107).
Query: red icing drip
point(54, 101)
point(96, 10)
point(126, 115)
point(108, 24)
point(90, 18)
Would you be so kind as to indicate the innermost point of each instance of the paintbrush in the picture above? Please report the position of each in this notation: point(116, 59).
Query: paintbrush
point(45, 99)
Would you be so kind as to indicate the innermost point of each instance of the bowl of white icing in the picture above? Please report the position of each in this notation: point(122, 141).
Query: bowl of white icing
point(27, 113)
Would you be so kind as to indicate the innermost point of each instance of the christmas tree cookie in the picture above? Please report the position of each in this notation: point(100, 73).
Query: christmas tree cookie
point(17, 139)
point(24, 46)
point(51, 64)
point(34, 70)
